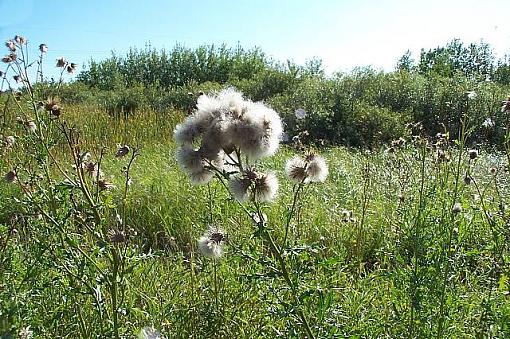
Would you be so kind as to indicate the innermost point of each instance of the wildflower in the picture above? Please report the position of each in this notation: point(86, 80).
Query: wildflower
point(300, 113)
point(105, 185)
point(457, 208)
point(43, 48)
point(506, 105)
point(31, 126)
point(71, 68)
point(266, 187)
point(211, 243)
point(471, 95)
point(61, 62)
point(9, 141)
point(10, 177)
point(10, 45)
point(317, 169)
point(20, 40)
point(122, 151)
point(25, 333)
point(473, 154)
point(488, 123)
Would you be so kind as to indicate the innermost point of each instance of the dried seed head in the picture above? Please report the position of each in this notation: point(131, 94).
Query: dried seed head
point(71, 68)
point(20, 40)
point(10, 177)
point(457, 208)
point(296, 169)
point(316, 169)
point(211, 243)
point(266, 187)
point(238, 187)
point(494, 170)
point(122, 151)
point(61, 62)
point(43, 48)
point(7, 59)
point(31, 126)
point(17, 78)
point(105, 185)
point(9, 141)
point(10, 45)
point(473, 154)
point(117, 237)
point(467, 180)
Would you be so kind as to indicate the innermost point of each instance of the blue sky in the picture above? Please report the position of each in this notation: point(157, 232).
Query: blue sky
point(344, 34)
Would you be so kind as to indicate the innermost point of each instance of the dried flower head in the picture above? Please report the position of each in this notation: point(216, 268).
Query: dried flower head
point(8, 58)
point(43, 48)
point(10, 177)
point(9, 141)
point(239, 188)
point(31, 126)
point(16, 78)
point(493, 170)
point(265, 188)
point(105, 185)
point(61, 62)
point(117, 237)
point(211, 243)
point(473, 154)
point(295, 168)
point(71, 67)
point(467, 180)
point(316, 169)
point(20, 40)
point(122, 151)
point(10, 45)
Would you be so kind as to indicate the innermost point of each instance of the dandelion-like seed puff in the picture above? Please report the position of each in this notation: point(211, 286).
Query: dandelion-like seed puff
point(313, 168)
point(211, 243)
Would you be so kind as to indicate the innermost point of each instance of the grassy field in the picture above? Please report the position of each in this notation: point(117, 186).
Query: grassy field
point(405, 242)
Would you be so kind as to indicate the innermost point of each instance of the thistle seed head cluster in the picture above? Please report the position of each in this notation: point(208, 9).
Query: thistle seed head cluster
point(311, 168)
point(222, 125)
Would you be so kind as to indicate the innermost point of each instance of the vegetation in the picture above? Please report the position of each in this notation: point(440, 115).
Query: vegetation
point(100, 228)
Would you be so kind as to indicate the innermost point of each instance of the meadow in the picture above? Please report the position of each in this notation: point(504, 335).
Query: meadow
point(101, 231)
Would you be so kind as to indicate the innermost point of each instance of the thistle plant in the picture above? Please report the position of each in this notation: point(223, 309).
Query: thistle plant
point(65, 188)
point(225, 138)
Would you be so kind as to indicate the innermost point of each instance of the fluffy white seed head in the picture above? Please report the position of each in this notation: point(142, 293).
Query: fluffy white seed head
point(316, 169)
point(211, 243)
point(189, 159)
point(266, 187)
point(296, 169)
point(239, 188)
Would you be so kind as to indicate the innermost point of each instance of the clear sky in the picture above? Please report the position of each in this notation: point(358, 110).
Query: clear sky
point(344, 34)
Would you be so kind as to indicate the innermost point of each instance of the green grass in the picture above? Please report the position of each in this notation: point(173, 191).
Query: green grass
point(361, 278)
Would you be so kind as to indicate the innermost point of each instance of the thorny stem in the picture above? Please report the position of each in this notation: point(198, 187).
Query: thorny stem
point(462, 139)
point(277, 253)
point(290, 213)
point(417, 226)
